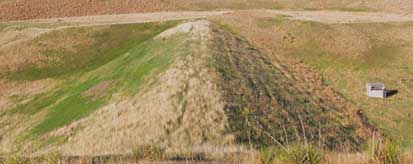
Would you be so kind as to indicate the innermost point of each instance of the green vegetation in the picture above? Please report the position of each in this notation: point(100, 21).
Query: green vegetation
point(53, 157)
point(350, 9)
point(109, 43)
point(385, 60)
point(266, 108)
point(392, 153)
point(123, 69)
point(301, 154)
point(388, 152)
point(15, 160)
point(2, 26)
point(267, 155)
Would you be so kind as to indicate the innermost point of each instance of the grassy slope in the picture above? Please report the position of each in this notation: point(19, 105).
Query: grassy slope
point(347, 56)
point(266, 107)
point(122, 56)
point(108, 44)
point(386, 61)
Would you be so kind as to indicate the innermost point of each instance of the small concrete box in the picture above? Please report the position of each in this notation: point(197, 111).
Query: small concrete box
point(376, 90)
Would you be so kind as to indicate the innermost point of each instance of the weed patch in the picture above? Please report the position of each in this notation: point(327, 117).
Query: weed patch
point(267, 155)
point(301, 154)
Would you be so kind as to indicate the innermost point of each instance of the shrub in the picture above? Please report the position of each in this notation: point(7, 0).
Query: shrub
point(148, 152)
point(301, 154)
point(266, 155)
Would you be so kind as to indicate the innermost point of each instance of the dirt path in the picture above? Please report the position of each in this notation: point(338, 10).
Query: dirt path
point(318, 16)
point(127, 18)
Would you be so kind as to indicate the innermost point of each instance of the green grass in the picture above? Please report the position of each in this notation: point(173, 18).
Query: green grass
point(131, 70)
point(346, 9)
point(109, 44)
point(385, 61)
point(72, 106)
point(3, 26)
point(350, 9)
point(253, 119)
point(130, 66)
point(129, 62)
point(301, 153)
point(334, 52)
point(309, 51)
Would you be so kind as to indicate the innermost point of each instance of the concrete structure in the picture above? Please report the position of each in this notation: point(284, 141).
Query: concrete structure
point(376, 90)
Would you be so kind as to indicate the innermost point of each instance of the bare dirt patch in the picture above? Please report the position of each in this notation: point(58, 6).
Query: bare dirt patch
point(98, 91)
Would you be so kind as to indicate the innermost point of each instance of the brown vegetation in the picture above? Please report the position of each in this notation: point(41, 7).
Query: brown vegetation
point(32, 9)
point(333, 62)
point(300, 79)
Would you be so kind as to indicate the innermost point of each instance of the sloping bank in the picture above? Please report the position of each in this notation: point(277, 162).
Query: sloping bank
point(192, 88)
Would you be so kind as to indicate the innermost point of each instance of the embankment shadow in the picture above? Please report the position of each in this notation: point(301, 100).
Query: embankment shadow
point(391, 92)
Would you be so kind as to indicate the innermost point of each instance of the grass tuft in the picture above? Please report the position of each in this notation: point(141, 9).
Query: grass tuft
point(267, 155)
point(301, 154)
point(388, 153)
point(148, 152)
point(53, 157)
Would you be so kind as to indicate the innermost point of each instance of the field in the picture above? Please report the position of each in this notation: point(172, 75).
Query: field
point(255, 84)
point(31, 9)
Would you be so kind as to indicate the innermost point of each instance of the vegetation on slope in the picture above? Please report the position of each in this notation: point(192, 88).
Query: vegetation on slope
point(265, 107)
point(344, 56)
point(119, 59)
point(107, 44)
